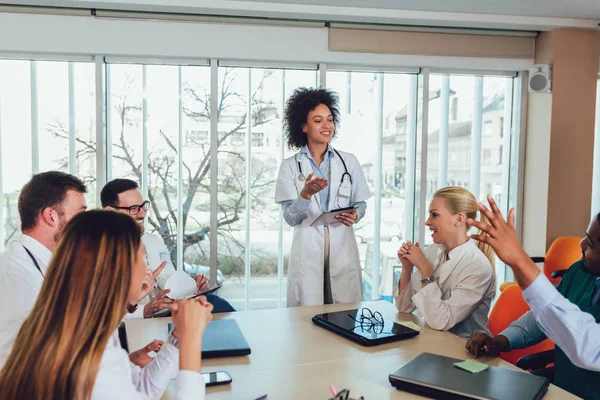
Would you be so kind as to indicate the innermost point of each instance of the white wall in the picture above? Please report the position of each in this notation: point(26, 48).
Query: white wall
point(62, 34)
point(512, 14)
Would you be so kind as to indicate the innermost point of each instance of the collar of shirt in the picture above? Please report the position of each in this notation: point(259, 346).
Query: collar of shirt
point(38, 250)
point(443, 267)
point(455, 252)
point(304, 152)
point(443, 256)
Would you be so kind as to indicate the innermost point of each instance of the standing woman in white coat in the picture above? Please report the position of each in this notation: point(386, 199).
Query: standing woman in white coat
point(451, 282)
point(324, 266)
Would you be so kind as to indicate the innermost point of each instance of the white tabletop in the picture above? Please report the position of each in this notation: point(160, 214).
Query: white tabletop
point(294, 359)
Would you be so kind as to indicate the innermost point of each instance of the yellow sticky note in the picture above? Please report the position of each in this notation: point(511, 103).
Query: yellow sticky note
point(471, 366)
point(410, 324)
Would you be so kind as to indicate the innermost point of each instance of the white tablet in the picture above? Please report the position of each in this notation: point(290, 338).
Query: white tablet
point(328, 217)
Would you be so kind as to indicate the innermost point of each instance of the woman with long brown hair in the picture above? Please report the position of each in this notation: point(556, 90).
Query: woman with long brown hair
point(68, 347)
point(453, 283)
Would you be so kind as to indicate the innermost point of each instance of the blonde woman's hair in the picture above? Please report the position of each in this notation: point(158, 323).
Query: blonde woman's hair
point(460, 200)
point(58, 350)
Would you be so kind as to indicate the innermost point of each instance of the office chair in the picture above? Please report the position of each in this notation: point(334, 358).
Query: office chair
point(563, 253)
point(509, 307)
point(539, 363)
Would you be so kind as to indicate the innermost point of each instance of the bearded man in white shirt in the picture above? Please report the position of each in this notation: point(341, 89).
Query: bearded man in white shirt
point(46, 203)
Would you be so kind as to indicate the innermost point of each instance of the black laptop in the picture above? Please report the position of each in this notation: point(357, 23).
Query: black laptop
point(223, 338)
point(353, 325)
point(436, 377)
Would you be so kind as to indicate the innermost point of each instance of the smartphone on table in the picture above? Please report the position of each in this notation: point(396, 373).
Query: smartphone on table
point(216, 378)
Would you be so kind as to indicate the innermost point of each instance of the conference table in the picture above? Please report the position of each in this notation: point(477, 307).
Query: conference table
point(292, 358)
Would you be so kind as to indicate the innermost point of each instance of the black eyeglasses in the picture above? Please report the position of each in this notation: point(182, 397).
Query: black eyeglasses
point(343, 395)
point(369, 320)
point(135, 210)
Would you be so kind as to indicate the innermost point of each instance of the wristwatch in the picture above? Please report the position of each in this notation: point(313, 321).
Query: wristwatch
point(131, 308)
point(429, 279)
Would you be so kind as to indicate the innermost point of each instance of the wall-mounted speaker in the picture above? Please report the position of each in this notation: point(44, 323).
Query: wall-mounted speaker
point(540, 78)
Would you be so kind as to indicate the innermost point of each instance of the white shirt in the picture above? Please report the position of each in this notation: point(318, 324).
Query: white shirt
point(20, 284)
point(118, 378)
point(460, 298)
point(155, 246)
point(576, 332)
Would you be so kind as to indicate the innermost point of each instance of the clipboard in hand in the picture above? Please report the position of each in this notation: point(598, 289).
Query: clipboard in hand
point(328, 217)
point(205, 291)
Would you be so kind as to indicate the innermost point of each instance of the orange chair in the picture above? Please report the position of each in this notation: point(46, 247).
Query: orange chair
point(563, 253)
point(508, 308)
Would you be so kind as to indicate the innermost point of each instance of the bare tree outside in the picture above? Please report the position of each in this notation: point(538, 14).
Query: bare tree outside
point(163, 172)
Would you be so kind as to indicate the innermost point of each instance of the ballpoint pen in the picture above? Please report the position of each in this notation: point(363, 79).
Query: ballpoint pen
point(333, 391)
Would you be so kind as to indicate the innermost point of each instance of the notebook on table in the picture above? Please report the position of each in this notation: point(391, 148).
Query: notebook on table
point(367, 332)
point(223, 338)
point(436, 377)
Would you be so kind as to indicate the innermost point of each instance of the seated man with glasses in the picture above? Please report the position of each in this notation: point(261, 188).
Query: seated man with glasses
point(123, 195)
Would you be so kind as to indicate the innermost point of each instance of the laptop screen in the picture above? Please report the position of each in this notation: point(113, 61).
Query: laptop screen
point(366, 326)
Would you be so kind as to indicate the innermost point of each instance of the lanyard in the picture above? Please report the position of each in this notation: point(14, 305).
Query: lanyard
point(34, 260)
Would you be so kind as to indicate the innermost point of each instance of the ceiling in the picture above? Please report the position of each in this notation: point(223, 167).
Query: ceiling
point(487, 14)
point(579, 9)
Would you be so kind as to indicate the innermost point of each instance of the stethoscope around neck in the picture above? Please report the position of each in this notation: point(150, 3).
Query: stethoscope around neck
point(301, 176)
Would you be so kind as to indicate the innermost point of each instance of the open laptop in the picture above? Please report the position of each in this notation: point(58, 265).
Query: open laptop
point(223, 338)
point(367, 332)
point(436, 377)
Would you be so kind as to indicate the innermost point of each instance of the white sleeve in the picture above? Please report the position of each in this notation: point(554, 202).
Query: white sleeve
point(118, 378)
point(574, 331)
point(285, 188)
point(18, 296)
point(403, 299)
point(190, 385)
point(160, 247)
point(465, 296)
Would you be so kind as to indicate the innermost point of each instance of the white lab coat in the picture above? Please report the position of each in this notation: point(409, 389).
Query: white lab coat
point(460, 298)
point(306, 265)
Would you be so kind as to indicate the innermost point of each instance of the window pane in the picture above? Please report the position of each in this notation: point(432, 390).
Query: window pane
point(84, 120)
point(257, 150)
point(450, 146)
point(58, 98)
point(144, 105)
point(358, 135)
point(66, 105)
point(232, 115)
point(492, 141)
point(124, 120)
point(162, 113)
point(15, 129)
point(52, 111)
point(196, 170)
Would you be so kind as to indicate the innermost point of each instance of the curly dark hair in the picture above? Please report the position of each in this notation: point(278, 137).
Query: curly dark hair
point(302, 101)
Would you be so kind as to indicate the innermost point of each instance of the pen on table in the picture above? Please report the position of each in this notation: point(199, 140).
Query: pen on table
point(333, 391)
point(263, 397)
